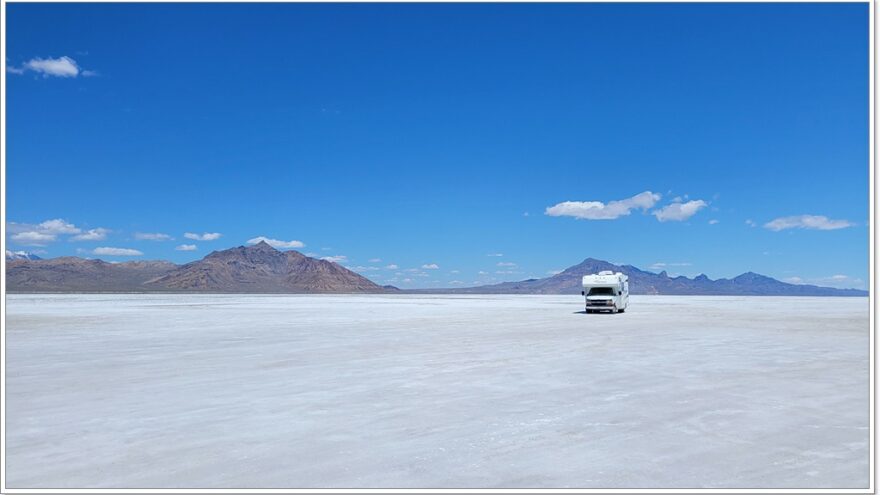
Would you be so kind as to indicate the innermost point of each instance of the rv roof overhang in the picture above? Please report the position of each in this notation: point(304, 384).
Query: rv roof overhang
point(601, 281)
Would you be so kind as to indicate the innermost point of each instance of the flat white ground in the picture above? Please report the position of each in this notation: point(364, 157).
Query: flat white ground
point(201, 391)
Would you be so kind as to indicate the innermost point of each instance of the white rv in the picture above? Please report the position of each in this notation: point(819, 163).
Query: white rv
point(606, 291)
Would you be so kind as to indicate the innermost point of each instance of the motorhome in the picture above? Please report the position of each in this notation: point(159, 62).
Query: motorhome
point(606, 291)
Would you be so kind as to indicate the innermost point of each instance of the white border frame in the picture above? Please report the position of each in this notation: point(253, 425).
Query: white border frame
point(871, 298)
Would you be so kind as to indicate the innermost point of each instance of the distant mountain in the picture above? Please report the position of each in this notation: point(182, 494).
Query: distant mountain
point(642, 282)
point(72, 274)
point(20, 255)
point(258, 268)
point(262, 268)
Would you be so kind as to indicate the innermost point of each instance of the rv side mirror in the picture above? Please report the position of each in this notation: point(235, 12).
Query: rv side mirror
point(583, 293)
point(619, 293)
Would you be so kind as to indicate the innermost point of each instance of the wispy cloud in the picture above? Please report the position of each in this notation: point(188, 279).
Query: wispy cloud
point(751, 223)
point(154, 236)
point(597, 210)
point(375, 260)
point(811, 222)
point(52, 67)
point(495, 254)
point(98, 234)
point(661, 266)
point(207, 236)
point(40, 234)
point(275, 243)
point(114, 251)
point(58, 226)
point(678, 211)
point(339, 258)
point(32, 238)
point(392, 267)
point(713, 222)
point(505, 263)
point(364, 268)
point(430, 266)
point(554, 272)
point(186, 247)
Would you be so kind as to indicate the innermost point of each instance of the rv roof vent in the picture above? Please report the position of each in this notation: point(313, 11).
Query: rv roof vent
point(606, 272)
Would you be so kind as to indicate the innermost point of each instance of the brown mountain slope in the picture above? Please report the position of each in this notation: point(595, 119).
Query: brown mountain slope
point(262, 268)
point(72, 274)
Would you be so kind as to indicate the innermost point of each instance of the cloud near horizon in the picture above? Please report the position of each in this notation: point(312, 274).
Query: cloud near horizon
point(33, 238)
point(339, 258)
point(809, 222)
point(45, 232)
point(597, 210)
point(275, 243)
point(186, 247)
point(678, 211)
point(52, 67)
point(148, 236)
point(430, 266)
point(98, 234)
point(207, 236)
point(113, 251)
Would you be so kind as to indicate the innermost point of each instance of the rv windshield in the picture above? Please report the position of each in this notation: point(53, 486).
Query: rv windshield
point(601, 291)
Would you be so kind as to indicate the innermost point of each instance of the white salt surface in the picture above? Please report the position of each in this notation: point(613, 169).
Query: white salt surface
point(209, 391)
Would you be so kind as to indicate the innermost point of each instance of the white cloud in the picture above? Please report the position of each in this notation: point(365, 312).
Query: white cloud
point(207, 236)
point(364, 268)
point(678, 211)
point(430, 266)
point(812, 222)
point(55, 67)
point(336, 259)
point(481, 272)
point(155, 236)
point(554, 272)
point(713, 222)
point(751, 223)
point(596, 210)
point(112, 251)
point(375, 260)
point(456, 282)
point(98, 234)
point(275, 243)
point(392, 267)
point(31, 238)
point(454, 271)
point(505, 263)
point(186, 247)
point(660, 266)
point(495, 254)
point(58, 226)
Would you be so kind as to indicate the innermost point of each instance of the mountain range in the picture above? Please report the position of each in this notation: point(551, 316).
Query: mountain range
point(643, 282)
point(257, 269)
point(263, 269)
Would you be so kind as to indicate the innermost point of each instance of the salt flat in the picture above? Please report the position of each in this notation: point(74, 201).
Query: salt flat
point(204, 391)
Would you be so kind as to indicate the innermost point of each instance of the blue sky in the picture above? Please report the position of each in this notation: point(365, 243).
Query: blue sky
point(695, 138)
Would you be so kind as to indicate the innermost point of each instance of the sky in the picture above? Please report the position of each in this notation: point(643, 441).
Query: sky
point(444, 145)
